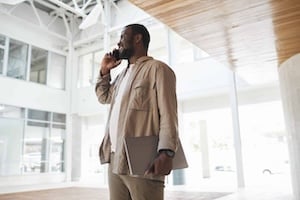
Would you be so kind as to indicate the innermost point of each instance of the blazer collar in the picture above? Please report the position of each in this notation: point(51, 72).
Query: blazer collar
point(143, 59)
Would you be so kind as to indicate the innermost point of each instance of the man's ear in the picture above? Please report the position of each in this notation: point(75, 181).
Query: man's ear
point(138, 38)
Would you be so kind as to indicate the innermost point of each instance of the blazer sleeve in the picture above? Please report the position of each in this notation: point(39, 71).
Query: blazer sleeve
point(104, 89)
point(167, 108)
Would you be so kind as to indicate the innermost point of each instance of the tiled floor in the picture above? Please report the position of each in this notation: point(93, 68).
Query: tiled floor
point(80, 193)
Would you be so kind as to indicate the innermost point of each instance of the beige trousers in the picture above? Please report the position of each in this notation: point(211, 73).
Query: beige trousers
point(125, 187)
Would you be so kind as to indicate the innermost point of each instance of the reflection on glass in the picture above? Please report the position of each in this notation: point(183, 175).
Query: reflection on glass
point(2, 40)
point(17, 59)
point(58, 117)
point(11, 132)
point(36, 148)
point(38, 67)
point(38, 115)
point(57, 148)
point(1, 60)
point(41, 149)
point(57, 71)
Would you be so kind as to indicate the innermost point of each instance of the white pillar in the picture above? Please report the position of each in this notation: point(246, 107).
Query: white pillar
point(236, 130)
point(204, 149)
point(76, 156)
point(107, 14)
point(289, 78)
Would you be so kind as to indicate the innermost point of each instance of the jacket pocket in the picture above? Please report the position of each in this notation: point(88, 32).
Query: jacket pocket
point(141, 95)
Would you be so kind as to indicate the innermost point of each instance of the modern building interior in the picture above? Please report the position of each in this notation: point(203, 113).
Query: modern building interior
point(238, 89)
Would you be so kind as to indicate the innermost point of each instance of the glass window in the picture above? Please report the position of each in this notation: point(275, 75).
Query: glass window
point(212, 145)
point(38, 66)
point(1, 60)
point(158, 45)
point(36, 147)
point(264, 143)
point(39, 148)
point(38, 115)
point(57, 71)
point(11, 137)
point(85, 76)
point(57, 148)
point(57, 117)
point(199, 53)
point(89, 66)
point(183, 49)
point(90, 144)
point(97, 61)
point(44, 146)
point(2, 40)
point(263, 133)
point(17, 59)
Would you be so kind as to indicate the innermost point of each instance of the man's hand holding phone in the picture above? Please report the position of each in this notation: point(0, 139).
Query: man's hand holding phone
point(108, 62)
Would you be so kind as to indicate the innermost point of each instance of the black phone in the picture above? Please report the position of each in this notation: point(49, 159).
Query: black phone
point(116, 54)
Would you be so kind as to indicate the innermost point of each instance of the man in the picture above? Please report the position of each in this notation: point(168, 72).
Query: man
point(143, 103)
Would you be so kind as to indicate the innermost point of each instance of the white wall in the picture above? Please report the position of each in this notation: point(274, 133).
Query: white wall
point(32, 95)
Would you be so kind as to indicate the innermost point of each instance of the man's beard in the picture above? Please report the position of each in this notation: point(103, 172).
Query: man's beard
point(125, 53)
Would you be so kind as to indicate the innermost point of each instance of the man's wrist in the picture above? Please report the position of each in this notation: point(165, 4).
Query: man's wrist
point(168, 152)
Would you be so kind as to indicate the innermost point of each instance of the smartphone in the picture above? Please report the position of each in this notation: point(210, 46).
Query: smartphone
point(116, 54)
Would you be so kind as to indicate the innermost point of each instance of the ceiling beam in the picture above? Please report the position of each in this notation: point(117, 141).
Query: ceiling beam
point(68, 8)
point(56, 9)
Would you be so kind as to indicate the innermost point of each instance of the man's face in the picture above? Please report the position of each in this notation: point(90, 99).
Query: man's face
point(126, 48)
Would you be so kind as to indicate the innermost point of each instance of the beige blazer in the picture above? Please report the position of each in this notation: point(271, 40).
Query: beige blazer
point(148, 107)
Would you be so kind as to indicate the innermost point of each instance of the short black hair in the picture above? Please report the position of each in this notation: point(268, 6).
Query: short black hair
point(141, 29)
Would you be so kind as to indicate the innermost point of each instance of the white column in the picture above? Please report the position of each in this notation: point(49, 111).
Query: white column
point(204, 149)
point(76, 157)
point(107, 14)
point(236, 130)
point(69, 119)
point(289, 78)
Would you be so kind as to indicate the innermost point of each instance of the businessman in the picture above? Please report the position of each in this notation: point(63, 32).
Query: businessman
point(142, 102)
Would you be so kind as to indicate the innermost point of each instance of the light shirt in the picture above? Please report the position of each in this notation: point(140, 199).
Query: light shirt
point(114, 117)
